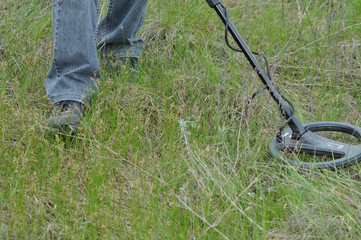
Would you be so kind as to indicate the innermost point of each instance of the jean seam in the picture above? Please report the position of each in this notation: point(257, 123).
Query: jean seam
point(110, 11)
point(56, 29)
point(104, 31)
point(97, 27)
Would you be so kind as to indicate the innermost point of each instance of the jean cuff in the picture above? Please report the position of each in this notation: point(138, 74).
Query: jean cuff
point(122, 50)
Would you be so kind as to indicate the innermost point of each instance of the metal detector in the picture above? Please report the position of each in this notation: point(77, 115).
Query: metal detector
point(299, 141)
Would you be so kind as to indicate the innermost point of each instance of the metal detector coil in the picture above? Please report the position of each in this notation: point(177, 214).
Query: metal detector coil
point(299, 138)
point(340, 153)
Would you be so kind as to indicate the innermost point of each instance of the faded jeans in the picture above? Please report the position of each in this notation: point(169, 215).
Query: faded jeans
point(77, 36)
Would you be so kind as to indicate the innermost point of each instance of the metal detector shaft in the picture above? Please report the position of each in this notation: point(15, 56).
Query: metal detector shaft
point(296, 126)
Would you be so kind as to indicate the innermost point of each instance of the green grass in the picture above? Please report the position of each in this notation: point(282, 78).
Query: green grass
point(179, 152)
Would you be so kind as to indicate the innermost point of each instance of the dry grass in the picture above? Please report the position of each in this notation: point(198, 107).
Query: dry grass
point(176, 150)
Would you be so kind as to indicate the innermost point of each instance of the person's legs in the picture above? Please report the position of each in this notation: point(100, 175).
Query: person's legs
point(75, 66)
point(117, 30)
point(72, 78)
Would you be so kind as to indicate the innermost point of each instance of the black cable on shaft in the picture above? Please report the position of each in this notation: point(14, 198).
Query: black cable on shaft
point(268, 73)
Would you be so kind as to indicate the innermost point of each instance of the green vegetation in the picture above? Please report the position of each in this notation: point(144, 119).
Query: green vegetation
point(179, 152)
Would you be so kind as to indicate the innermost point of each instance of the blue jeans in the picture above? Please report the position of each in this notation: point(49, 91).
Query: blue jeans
point(77, 36)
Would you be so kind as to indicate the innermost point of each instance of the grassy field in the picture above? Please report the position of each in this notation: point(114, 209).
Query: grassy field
point(176, 150)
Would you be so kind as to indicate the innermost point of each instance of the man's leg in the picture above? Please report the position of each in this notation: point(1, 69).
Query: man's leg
point(71, 81)
point(118, 28)
point(75, 66)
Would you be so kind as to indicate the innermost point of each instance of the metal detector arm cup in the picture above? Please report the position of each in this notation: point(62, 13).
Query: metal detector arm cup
point(213, 3)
